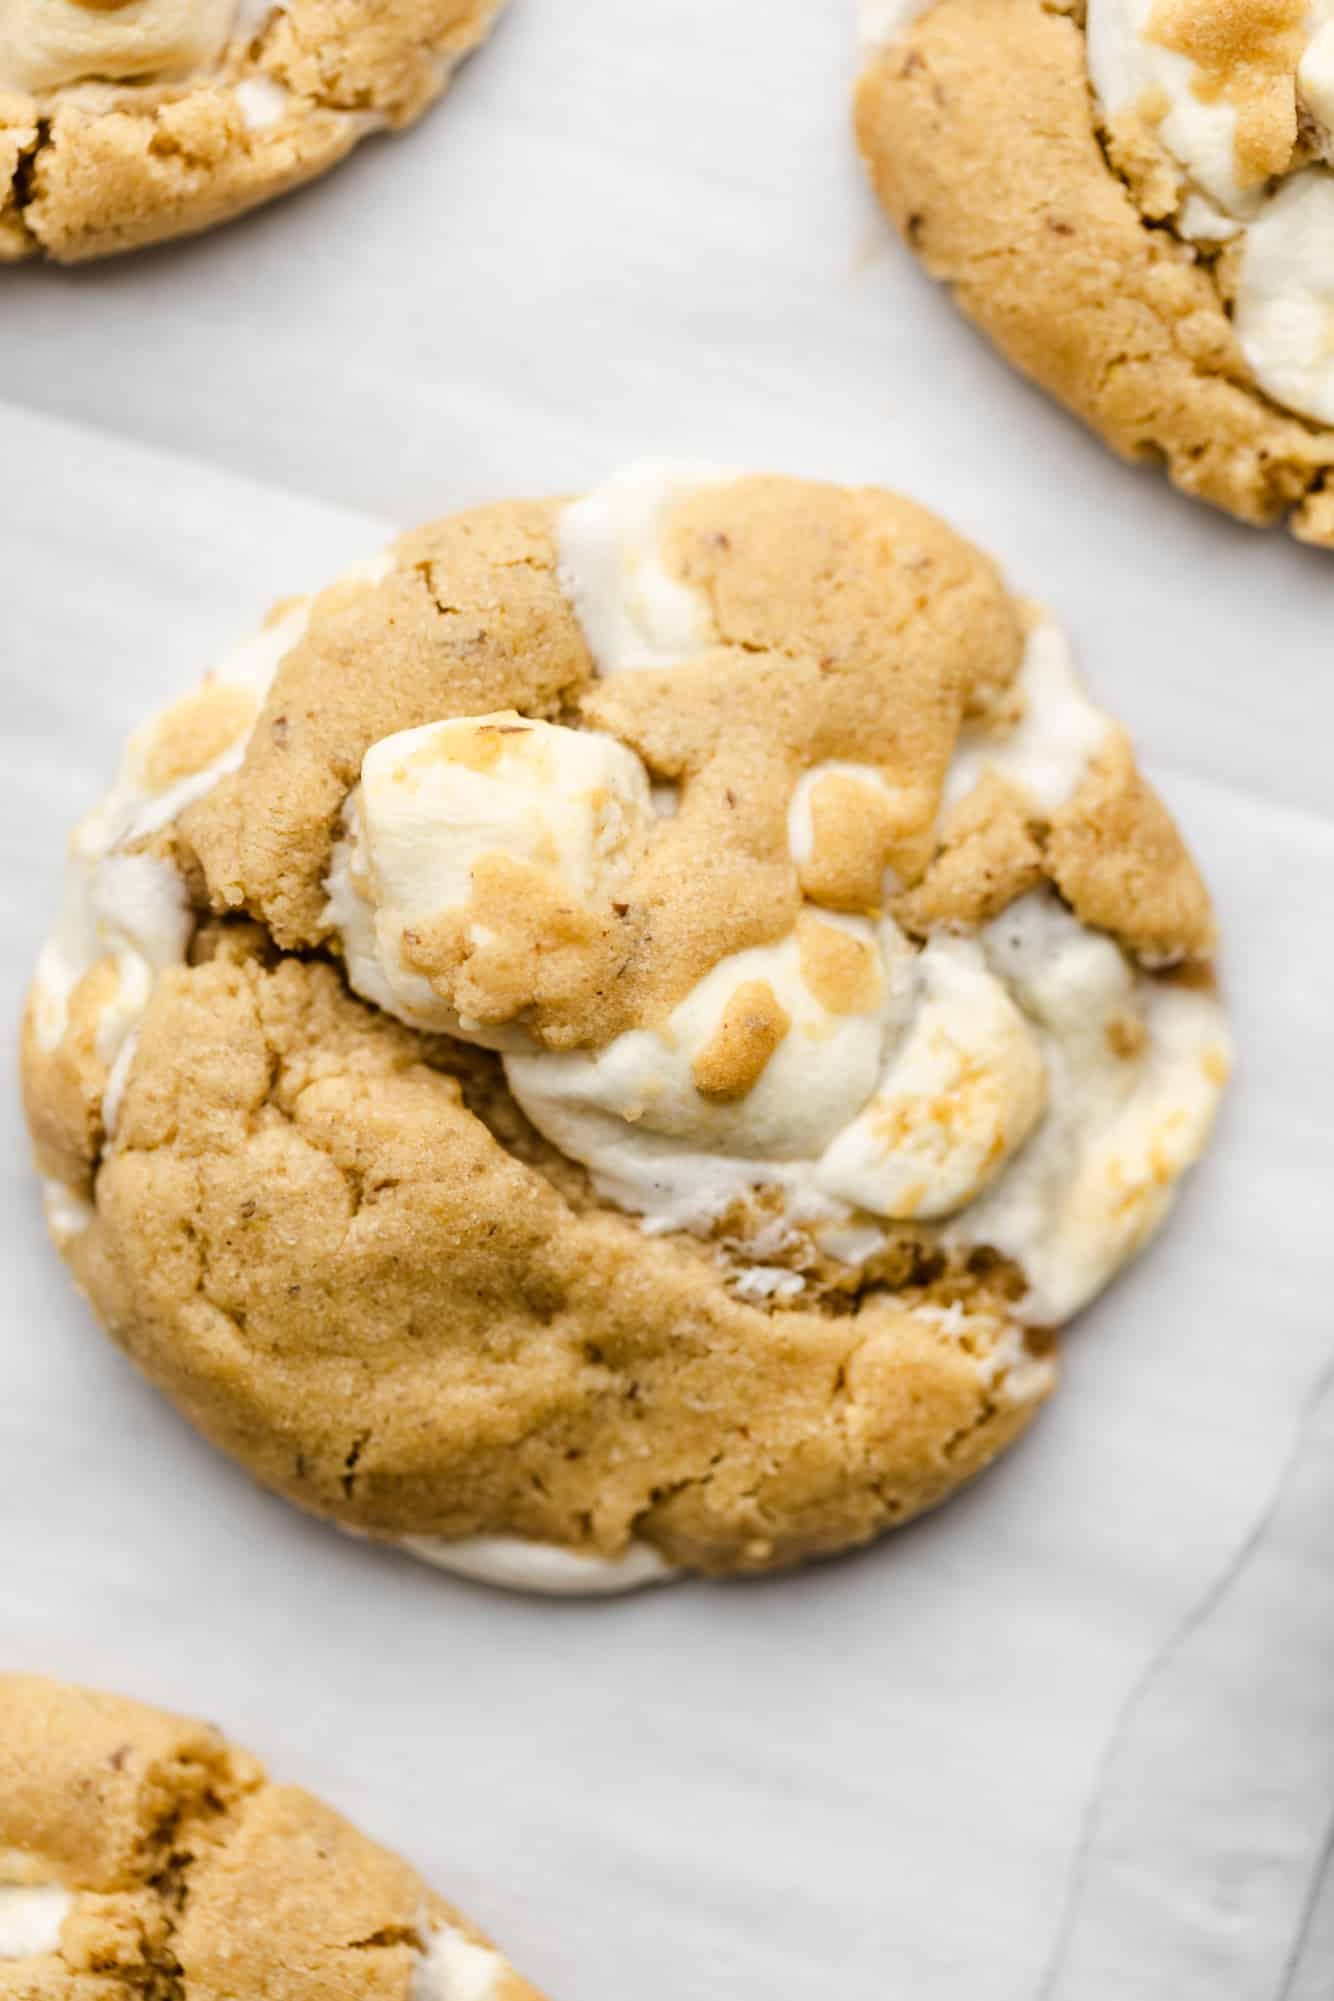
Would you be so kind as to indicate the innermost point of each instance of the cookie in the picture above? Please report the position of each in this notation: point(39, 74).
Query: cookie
point(607, 1042)
point(1134, 205)
point(143, 1857)
point(123, 122)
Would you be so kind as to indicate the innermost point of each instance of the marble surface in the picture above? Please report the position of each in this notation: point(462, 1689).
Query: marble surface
point(1072, 1737)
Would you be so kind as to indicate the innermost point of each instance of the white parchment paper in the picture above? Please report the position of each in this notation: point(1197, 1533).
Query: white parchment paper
point(1074, 1736)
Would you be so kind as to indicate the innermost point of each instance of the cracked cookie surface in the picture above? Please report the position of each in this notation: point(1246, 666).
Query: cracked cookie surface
point(144, 1858)
point(604, 1043)
point(128, 123)
point(1084, 237)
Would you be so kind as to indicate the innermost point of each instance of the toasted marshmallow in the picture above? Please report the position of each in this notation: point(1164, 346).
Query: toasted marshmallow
point(633, 612)
point(433, 803)
point(961, 1090)
point(1230, 121)
point(31, 1915)
point(1135, 1069)
point(1059, 730)
point(454, 1967)
point(46, 44)
point(816, 1090)
point(762, 1063)
point(1133, 71)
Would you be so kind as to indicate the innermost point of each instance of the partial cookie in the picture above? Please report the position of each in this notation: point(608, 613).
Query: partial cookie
point(606, 1043)
point(123, 122)
point(1138, 208)
point(144, 1858)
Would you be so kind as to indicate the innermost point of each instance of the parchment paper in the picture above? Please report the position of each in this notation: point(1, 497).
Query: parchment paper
point(1074, 1736)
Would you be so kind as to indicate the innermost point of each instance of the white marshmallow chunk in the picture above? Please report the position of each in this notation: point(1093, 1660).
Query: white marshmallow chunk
point(633, 612)
point(132, 907)
point(1284, 307)
point(514, 1564)
point(1097, 1174)
point(31, 1915)
point(435, 801)
point(262, 102)
point(45, 44)
point(632, 1112)
point(960, 1092)
point(1131, 72)
point(1315, 71)
point(1049, 749)
point(454, 1968)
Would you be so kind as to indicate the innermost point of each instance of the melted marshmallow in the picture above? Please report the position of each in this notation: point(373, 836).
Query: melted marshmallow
point(1058, 732)
point(847, 1078)
point(31, 1916)
point(962, 1089)
point(633, 612)
point(626, 1109)
point(1283, 306)
point(1132, 72)
point(46, 44)
point(1098, 1173)
point(515, 1564)
point(131, 909)
point(877, 799)
point(454, 1967)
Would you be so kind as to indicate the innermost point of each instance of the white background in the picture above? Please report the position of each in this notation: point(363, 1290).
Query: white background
point(1074, 1736)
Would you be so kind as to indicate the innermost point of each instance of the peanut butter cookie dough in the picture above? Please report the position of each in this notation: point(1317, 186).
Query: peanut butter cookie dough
point(1134, 200)
point(123, 122)
point(144, 1858)
point(606, 1042)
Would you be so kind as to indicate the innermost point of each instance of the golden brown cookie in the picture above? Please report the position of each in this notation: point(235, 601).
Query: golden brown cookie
point(144, 1858)
point(1133, 201)
point(607, 1041)
point(123, 122)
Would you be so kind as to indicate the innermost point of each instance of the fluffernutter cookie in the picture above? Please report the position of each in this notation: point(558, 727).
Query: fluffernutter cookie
point(143, 1857)
point(607, 1042)
point(123, 122)
point(1134, 199)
